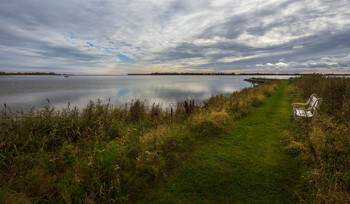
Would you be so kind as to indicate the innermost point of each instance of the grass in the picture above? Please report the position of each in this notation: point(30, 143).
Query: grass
point(108, 154)
point(246, 165)
point(227, 150)
point(323, 143)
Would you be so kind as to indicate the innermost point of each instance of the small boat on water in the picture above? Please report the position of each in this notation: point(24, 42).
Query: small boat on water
point(66, 75)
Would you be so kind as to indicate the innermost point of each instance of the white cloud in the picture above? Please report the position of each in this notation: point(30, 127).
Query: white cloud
point(326, 64)
point(281, 65)
point(234, 59)
point(298, 46)
point(175, 33)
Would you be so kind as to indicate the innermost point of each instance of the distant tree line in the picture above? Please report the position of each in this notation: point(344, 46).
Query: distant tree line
point(220, 73)
point(191, 73)
point(29, 73)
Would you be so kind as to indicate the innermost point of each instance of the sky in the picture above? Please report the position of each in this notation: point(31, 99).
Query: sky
point(145, 36)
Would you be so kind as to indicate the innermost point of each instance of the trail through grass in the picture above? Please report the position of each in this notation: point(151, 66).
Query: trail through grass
point(246, 165)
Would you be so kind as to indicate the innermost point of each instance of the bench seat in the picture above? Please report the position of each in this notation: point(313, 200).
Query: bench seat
point(303, 113)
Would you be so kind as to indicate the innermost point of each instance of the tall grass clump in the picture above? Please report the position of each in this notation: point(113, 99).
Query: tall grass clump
point(107, 153)
point(323, 143)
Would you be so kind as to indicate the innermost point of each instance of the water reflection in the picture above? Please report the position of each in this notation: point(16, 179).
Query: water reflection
point(25, 92)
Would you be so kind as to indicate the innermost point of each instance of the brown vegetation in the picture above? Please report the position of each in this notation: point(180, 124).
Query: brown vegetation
point(323, 143)
point(105, 153)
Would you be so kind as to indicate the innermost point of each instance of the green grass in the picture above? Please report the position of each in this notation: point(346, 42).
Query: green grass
point(246, 165)
point(227, 150)
point(107, 154)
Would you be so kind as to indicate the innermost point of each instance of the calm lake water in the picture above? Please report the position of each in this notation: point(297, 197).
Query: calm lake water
point(25, 92)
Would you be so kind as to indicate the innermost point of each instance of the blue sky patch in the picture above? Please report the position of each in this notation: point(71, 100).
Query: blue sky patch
point(71, 35)
point(88, 44)
point(124, 58)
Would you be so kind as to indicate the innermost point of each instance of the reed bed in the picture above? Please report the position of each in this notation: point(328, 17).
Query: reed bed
point(323, 143)
point(105, 153)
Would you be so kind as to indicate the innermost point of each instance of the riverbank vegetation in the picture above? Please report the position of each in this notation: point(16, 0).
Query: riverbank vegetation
point(105, 153)
point(323, 143)
point(247, 164)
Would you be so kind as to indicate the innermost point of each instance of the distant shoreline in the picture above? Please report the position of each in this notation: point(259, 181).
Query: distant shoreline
point(241, 74)
point(165, 74)
point(32, 74)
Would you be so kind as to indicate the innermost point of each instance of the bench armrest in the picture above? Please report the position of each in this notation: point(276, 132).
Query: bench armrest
point(299, 104)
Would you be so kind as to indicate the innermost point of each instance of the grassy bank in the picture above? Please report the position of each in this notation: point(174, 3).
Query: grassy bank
point(105, 153)
point(246, 165)
point(323, 143)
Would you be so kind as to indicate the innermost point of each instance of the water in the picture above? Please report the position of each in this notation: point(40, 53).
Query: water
point(25, 92)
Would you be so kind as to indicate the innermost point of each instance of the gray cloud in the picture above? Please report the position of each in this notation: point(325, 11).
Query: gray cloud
point(86, 36)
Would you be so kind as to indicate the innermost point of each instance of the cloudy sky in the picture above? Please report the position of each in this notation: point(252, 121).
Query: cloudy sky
point(143, 36)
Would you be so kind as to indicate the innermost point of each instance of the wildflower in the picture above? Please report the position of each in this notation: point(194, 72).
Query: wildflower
point(116, 167)
point(90, 164)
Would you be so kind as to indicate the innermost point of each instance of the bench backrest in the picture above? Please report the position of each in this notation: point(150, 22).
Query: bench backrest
point(314, 102)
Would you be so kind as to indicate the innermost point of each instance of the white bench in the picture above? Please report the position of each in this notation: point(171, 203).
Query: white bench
point(307, 109)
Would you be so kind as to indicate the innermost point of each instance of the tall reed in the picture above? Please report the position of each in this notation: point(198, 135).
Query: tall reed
point(107, 153)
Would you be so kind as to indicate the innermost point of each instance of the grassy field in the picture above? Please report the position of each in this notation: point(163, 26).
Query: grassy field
point(246, 165)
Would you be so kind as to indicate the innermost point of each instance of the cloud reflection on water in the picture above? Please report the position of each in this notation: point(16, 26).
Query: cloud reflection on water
point(25, 93)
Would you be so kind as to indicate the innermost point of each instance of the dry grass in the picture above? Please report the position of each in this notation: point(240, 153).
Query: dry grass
point(105, 153)
point(323, 143)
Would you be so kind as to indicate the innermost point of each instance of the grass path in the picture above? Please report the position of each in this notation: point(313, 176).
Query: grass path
point(246, 165)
